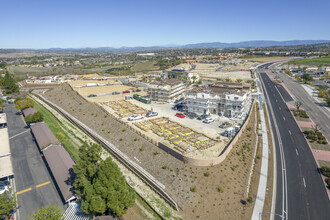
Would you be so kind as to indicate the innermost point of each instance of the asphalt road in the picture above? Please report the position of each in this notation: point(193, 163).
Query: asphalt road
point(29, 169)
point(300, 193)
point(316, 112)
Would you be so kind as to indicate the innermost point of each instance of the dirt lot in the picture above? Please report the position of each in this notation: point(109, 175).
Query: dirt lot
point(266, 59)
point(205, 193)
point(97, 90)
point(228, 74)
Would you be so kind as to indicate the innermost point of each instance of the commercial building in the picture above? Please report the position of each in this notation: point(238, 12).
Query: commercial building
point(217, 100)
point(166, 90)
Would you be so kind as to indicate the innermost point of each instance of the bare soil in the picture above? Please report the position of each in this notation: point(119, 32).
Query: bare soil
point(219, 189)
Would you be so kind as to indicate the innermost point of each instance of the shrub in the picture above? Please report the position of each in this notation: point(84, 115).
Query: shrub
point(156, 153)
point(142, 148)
point(136, 139)
point(121, 139)
point(327, 180)
point(325, 171)
point(124, 130)
point(164, 167)
point(193, 189)
point(322, 94)
point(36, 117)
point(221, 189)
point(206, 174)
point(250, 199)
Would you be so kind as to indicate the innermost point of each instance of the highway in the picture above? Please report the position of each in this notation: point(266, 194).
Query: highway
point(316, 112)
point(300, 193)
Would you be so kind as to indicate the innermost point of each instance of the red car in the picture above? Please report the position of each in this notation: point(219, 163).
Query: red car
point(127, 91)
point(180, 115)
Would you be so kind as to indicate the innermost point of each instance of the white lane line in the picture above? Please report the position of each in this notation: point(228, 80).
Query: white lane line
point(297, 152)
point(19, 134)
point(304, 182)
point(276, 100)
point(290, 132)
point(283, 118)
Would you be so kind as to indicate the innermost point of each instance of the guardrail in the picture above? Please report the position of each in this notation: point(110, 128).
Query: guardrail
point(120, 156)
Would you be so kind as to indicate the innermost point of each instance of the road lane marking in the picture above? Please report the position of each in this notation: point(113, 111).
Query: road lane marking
point(297, 152)
point(283, 118)
point(290, 132)
point(304, 182)
point(19, 134)
point(43, 184)
point(279, 108)
point(23, 191)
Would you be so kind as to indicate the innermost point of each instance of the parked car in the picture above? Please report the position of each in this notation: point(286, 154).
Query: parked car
point(201, 117)
point(180, 115)
point(138, 90)
point(178, 107)
point(179, 100)
point(115, 93)
point(191, 115)
point(208, 120)
point(151, 114)
point(225, 125)
point(92, 95)
point(126, 91)
point(135, 117)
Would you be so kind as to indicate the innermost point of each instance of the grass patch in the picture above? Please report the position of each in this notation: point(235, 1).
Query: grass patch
point(312, 61)
point(324, 163)
point(147, 207)
point(56, 127)
point(146, 66)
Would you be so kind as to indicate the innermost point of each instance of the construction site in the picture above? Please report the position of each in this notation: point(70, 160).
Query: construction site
point(122, 109)
point(182, 138)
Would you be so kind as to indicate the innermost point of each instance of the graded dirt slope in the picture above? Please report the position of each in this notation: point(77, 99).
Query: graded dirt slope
point(205, 193)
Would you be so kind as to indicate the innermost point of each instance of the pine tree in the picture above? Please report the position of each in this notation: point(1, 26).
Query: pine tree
point(100, 183)
point(9, 84)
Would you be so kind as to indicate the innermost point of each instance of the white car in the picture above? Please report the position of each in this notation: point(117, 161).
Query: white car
point(135, 117)
point(208, 120)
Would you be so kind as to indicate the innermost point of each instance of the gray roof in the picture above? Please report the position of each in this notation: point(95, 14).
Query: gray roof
point(28, 111)
point(43, 135)
point(60, 163)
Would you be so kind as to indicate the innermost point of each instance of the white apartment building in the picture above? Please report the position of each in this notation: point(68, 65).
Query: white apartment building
point(166, 90)
point(231, 103)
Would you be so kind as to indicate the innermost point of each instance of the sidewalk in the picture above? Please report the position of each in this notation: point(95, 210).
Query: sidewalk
point(260, 200)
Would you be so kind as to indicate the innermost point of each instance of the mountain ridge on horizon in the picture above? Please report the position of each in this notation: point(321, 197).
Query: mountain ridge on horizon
point(241, 44)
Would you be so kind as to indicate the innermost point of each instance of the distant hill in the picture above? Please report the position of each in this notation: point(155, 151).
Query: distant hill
point(243, 44)
point(256, 43)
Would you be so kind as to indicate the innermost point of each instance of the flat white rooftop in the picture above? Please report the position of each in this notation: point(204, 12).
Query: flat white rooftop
point(6, 168)
point(3, 118)
point(4, 140)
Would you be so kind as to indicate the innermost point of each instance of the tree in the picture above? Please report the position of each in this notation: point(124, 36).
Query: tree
point(239, 80)
point(21, 104)
point(50, 212)
point(287, 72)
point(9, 84)
point(306, 77)
point(112, 187)
point(322, 94)
point(316, 128)
point(7, 203)
point(100, 184)
point(36, 117)
point(298, 104)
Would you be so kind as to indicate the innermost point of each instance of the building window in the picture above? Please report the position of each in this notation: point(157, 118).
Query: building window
point(236, 98)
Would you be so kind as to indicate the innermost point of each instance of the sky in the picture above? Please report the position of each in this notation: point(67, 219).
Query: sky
point(40, 24)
